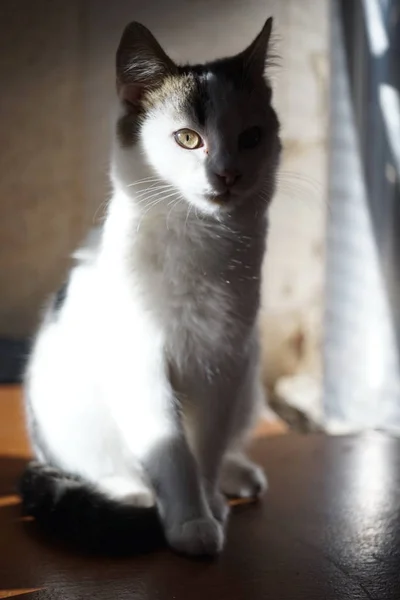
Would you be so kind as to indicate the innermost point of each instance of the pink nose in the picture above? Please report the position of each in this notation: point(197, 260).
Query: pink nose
point(229, 177)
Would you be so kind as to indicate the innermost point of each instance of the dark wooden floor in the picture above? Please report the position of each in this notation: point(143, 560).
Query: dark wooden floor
point(329, 529)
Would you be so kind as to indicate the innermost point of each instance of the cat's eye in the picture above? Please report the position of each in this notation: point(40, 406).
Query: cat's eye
point(249, 138)
point(189, 139)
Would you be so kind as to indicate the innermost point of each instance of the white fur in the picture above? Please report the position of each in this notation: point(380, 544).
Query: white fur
point(163, 314)
point(146, 382)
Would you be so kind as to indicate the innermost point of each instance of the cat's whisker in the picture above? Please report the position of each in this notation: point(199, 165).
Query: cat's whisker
point(153, 187)
point(187, 216)
point(171, 201)
point(292, 176)
point(171, 196)
point(297, 175)
point(298, 192)
point(144, 184)
point(223, 227)
point(153, 194)
point(139, 193)
point(150, 206)
point(144, 180)
point(154, 203)
point(101, 207)
point(133, 184)
point(146, 202)
point(196, 213)
point(176, 202)
point(297, 187)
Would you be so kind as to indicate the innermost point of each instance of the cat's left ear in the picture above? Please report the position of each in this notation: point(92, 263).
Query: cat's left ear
point(141, 64)
point(255, 56)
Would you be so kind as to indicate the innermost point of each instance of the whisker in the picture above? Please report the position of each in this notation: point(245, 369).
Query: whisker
point(146, 211)
point(144, 180)
point(152, 187)
point(172, 208)
point(311, 200)
point(187, 216)
point(296, 190)
point(153, 204)
point(170, 196)
point(102, 206)
point(284, 176)
point(151, 194)
point(290, 183)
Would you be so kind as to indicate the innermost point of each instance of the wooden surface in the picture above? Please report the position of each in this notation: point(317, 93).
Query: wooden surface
point(329, 529)
point(13, 441)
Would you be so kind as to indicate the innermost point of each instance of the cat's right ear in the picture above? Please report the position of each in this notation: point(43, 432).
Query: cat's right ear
point(141, 64)
point(255, 56)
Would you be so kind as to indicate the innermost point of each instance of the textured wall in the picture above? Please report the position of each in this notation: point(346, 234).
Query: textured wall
point(41, 160)
point(294, 269)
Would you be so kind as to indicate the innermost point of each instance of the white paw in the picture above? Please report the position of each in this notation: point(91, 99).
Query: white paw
point(200, 537)
point(241, 478)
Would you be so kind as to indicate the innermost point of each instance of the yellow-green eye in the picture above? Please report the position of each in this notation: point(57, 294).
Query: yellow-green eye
point(189, 139)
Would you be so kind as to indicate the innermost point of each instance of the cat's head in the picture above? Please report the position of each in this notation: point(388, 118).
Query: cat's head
point(208, 130)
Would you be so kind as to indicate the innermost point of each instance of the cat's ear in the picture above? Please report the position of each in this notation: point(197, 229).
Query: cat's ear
point(254, 58)
point(141, 63)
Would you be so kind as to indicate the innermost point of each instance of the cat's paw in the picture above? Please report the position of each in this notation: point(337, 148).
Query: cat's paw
point(240, 478)
point(200, 537)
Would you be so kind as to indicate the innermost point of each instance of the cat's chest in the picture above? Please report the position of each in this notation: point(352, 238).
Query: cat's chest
point(185, 277)
point(204, 291)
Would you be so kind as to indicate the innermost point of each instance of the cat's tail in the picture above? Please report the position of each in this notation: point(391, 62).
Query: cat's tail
point(68, 508)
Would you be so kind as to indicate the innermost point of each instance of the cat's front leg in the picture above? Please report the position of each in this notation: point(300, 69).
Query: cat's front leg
point(144, 407)
point(227, 411)
point(239, 476)
point(212, 432)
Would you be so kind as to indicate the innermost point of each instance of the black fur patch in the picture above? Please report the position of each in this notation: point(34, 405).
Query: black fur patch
point(198, 99)
point(68, 509)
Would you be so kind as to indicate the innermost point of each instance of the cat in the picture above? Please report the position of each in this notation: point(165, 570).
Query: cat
point(144, 384)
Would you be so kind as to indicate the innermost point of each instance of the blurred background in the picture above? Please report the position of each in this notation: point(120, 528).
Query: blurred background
point(330, 306)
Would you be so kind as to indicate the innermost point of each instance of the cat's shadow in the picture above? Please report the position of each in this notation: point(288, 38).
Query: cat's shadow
point(11, 468)
point(31, 559)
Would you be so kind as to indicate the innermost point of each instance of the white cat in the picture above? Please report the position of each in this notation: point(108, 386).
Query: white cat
point(144, 380)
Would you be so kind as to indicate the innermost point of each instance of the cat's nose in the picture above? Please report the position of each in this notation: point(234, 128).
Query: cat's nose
point(228, 176)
